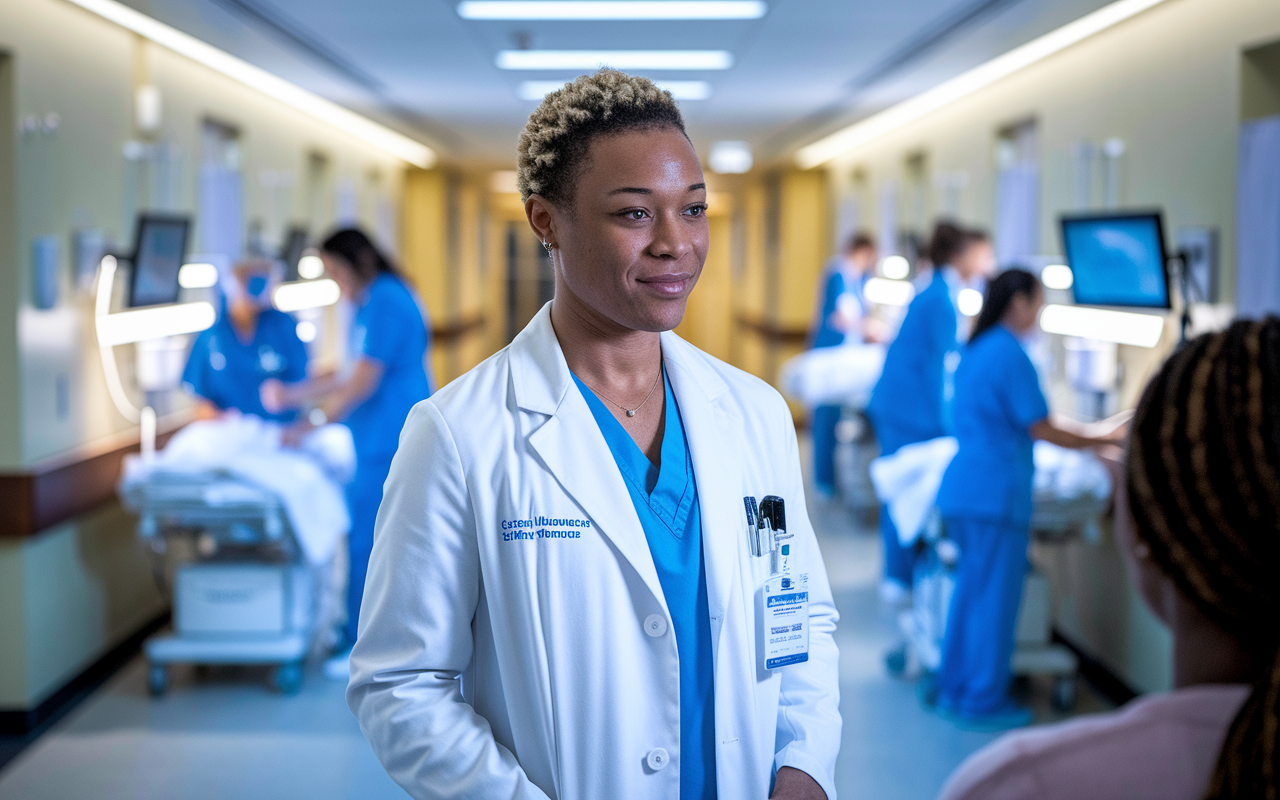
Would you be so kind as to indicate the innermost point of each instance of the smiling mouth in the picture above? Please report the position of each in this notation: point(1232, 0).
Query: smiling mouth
point(672, 285)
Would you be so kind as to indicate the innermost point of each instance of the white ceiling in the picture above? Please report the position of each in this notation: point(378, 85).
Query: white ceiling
point(806, 68)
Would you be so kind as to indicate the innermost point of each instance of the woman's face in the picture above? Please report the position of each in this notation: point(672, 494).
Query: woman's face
point(976, 260)
point(1024, 311)
point(630, 243)
point(343, 273)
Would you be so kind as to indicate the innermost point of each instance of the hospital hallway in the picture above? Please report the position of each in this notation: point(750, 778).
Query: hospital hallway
point(225, 734)
point(357, 353)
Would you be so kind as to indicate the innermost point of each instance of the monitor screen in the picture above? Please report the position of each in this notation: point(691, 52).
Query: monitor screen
point(1117, 259)
point(161, 247)
point(295, 244)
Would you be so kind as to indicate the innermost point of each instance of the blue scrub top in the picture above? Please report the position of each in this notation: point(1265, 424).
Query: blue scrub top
point(229, 373)
point(837, 285)
point(666, 501)
point(910, 403)
point(998, 398)
point(390, 328)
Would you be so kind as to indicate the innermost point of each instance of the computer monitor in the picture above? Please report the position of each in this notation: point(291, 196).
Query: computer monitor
point(161, 246)
point(1117, 259)
point(295, 244)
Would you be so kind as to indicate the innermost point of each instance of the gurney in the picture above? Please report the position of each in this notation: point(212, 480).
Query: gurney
point(1072, 490)
point(242, 536)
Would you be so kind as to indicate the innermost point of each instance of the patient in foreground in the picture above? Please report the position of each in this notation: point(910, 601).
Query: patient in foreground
point(1198, 531)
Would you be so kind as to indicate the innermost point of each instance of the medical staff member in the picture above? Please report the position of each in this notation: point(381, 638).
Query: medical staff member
point(249, 344)
point(561, 601)
point(390, 339)
point(985, 501)
point(840, 319)
point(908, 404)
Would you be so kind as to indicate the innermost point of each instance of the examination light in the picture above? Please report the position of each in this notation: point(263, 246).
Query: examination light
point(895, 268)
point(155, 322)
point(301, 295)
point(618, 59)
point(310, 267)
point(610, 9)
point(969, 302)
point(680, 90)
point(891, 119)
point(1121, 327)
point(273, 86)
point(197, 276)
point(885, 292)
point(1057, 276)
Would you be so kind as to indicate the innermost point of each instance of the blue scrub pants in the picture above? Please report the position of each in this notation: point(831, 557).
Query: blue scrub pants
point(364, 495)
point(899, 561)
point(825, 419)
point(973, 678)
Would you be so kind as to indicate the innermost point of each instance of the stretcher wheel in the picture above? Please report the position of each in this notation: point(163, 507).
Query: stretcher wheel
point(288, 678)
point(1064, 693)
point(158, 680)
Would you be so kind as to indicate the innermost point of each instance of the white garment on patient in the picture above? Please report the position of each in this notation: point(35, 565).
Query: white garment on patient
point(308, 480)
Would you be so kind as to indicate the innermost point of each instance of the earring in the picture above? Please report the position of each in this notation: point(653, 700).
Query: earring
point(548, 245)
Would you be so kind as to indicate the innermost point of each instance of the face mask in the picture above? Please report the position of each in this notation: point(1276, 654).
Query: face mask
point(256, 286)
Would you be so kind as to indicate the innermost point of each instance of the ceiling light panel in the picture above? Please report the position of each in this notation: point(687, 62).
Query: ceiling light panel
point(618, 59)
point(680, 90)
point(610, 9)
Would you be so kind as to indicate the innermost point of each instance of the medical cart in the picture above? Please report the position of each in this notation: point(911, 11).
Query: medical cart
point(242, 593)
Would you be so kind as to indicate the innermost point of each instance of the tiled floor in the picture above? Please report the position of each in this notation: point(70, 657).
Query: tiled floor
point(225, 735)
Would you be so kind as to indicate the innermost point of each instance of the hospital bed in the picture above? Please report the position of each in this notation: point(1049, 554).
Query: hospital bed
point(1071, 493)
point(242, 535)
point(246, 594)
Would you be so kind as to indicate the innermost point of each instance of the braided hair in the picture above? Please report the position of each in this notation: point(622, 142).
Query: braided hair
point(1204, 477)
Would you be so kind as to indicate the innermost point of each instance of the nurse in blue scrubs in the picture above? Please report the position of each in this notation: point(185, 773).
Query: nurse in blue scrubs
point(985, 500)
point(840, 319)
point(910, 401)
point(390, 338)
point(249, 344)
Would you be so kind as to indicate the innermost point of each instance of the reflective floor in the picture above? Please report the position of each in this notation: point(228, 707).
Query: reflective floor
point(224, 734)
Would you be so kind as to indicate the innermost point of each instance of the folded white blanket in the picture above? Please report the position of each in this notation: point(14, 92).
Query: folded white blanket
point(839, 376)
point(908, 481)
point(308, 480)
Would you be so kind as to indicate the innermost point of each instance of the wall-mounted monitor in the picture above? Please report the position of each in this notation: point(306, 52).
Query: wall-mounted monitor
point(1117, 259)
point(295, 244)
point(161, 246)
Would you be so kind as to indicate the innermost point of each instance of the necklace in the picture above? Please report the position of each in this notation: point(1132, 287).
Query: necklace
point(631, 412)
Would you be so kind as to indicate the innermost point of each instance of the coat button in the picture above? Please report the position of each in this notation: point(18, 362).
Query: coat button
point(657, 759)
point(655, 625)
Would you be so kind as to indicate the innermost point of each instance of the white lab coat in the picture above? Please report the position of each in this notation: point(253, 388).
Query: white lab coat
point(494, 669)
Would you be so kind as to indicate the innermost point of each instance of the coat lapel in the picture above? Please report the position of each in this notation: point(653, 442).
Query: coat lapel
point(572, 447)
point(714, 435)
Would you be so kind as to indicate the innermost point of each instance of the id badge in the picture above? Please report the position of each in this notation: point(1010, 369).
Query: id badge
point(786, 620)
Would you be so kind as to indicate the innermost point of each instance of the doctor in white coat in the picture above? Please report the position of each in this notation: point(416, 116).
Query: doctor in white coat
point(561, 601)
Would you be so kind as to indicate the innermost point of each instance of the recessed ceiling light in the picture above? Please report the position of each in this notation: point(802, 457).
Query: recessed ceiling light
point(611, 9)
point(730, 158)
point(680, 90)
point(618, 59)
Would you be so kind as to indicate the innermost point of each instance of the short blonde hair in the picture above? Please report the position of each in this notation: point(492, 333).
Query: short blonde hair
point(555, 141)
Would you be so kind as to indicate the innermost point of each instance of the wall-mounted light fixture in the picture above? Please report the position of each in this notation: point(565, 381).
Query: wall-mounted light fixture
point(273, 86)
